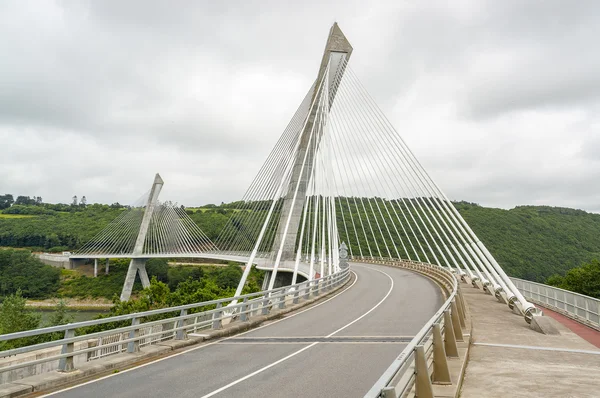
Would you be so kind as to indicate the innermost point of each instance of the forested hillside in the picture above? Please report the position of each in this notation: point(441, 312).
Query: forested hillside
point(535, 242)
point(530, 242)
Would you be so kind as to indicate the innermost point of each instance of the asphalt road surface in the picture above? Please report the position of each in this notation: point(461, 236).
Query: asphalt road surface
point(337, 348)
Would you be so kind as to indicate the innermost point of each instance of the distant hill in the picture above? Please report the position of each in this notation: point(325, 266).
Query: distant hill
point(530, 242)
point(535, 242)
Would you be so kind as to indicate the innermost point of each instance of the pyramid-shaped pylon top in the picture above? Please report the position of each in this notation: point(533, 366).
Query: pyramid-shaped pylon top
point(158, 180)
point(336, 42)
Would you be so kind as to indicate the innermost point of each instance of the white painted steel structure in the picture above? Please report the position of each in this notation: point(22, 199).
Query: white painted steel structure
point(579, 307)
point(339, 173)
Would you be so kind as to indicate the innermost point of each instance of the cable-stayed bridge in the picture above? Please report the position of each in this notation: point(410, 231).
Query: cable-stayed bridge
point(339, 174)
point(339, 200)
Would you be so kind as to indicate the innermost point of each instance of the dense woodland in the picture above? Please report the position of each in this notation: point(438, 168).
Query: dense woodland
point(530, 242)
point(24, 277)
point(558, 246)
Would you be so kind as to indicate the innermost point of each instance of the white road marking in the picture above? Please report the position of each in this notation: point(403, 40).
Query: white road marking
point(205, 345)
point(233, 383)
point(530, 347)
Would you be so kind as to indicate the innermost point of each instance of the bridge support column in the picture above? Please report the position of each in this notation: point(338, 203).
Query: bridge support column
point(95, 267)
point(136, 265)
point(106, 266)
point(66, 364)
point(139, 264)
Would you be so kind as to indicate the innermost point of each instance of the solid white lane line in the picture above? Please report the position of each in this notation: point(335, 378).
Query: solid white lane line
point(372, 309)
point(204, 345)
point(296, 313)
point(233, 383)
point(531, 347)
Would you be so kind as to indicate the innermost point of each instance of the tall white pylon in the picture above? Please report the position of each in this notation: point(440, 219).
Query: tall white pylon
point(138, 265)
point(340, 161)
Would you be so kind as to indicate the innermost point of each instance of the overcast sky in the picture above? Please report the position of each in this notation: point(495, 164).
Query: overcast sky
point(500, 100)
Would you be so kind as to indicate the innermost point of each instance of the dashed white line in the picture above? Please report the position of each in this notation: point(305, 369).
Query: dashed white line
point(233, 383)
point(205, 345)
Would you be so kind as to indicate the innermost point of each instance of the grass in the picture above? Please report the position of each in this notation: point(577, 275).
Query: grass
point(205, 209)
point(17, 216)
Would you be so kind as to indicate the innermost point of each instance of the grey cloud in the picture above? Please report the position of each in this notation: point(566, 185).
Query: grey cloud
point(498, 99)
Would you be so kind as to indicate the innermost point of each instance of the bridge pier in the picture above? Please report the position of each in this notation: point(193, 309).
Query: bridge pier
point(75, 262)
point(281, 279)
point(136, 265)
point(139, 264)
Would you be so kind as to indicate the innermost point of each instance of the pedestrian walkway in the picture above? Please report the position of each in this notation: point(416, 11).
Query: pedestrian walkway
point(587, 333)
point(508, 359)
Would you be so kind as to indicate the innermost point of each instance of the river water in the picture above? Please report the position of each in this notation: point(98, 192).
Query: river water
point(78, 316)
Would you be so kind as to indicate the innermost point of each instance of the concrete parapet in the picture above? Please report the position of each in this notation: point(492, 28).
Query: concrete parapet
point(32, 370)
point(55, 260)
point(543, 324)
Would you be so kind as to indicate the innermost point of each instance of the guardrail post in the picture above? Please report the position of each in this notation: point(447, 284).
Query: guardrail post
point(296, 295)
point(244, 310)
point(423, 387)
point(180, 335)
point(134, 346)
point(318, 286)
point(265, 305)
point(66, 364)
point(441, 372)
point(456, 322)
point(282, 301)
point(307, 293)
point(461, 310)
point(449, 339)
point(587, 310)
point(217, 324)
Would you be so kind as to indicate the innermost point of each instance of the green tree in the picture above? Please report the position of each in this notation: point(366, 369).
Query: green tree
point(15, 317)
point(21, 271)
point(584, 280)
point(159, 268)
point(60, 316)
point(6, 201)
point(228, 277)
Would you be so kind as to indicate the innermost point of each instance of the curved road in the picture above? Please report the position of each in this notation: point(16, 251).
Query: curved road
point(338, 347)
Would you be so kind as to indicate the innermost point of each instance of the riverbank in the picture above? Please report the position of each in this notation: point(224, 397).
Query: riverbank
point(98, 304)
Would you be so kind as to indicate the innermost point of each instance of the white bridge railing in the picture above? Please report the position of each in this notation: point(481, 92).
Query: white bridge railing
point(583, 309)
point(131, 332)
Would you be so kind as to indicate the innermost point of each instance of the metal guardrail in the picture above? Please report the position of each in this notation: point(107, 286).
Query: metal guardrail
point(579, 307)
point(145, 329)
point(424, 361)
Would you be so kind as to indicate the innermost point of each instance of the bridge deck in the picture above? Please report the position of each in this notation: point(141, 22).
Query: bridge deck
point(338, 347)
point(508, 356)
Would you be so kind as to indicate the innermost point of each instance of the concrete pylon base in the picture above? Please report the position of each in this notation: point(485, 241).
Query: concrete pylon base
point(543, 324)
point(136, 265)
